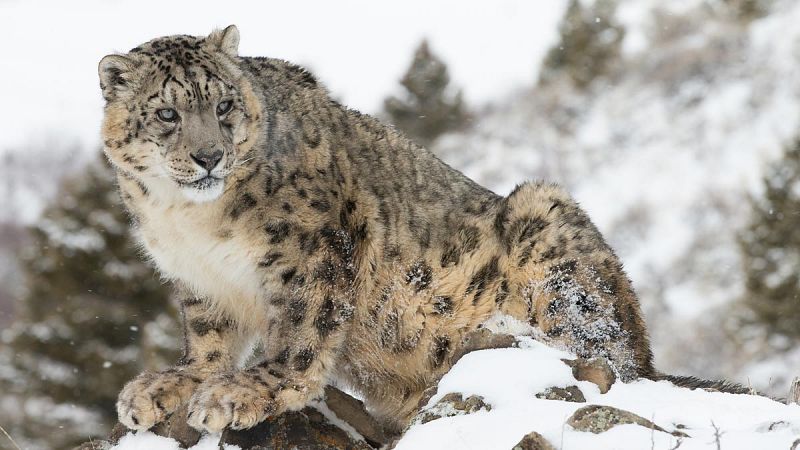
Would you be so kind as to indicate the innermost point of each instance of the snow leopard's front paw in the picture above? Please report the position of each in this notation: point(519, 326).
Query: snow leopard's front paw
point(237, 400)
point(151, 397)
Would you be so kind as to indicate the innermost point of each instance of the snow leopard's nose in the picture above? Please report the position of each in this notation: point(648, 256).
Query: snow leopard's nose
point(207, 158)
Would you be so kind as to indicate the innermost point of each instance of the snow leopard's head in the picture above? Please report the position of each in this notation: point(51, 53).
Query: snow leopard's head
point(180, 114)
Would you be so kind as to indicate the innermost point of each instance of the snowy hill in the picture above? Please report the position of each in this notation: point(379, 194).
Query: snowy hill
point(665, 154)
point(503, 385)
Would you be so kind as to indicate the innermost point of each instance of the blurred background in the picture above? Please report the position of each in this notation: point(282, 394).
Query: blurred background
point(675, 124)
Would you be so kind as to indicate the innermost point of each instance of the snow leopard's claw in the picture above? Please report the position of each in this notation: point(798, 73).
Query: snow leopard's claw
point(232, 401)
point(151, 397)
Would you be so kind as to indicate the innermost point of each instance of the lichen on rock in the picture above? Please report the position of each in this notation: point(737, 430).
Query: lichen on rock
point(453, 404)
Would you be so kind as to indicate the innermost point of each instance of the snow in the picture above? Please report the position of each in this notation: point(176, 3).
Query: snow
point(508, 379)
point(146, 440)
point(664, 158)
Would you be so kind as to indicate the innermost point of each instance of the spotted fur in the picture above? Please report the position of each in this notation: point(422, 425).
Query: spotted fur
point(346, 250)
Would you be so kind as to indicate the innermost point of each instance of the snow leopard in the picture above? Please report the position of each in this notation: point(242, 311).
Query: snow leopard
point(346, 252)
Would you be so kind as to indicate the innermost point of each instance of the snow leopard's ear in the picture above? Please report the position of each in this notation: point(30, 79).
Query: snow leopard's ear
point(116, 72)
point(225, 41)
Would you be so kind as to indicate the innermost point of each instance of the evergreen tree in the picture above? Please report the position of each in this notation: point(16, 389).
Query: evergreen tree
point(770, 248)
point(589, 46)
point(93, 314)
point(747, 10)
point(428, 110)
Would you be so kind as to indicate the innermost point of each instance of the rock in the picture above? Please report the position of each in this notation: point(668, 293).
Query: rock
point(117, 432)
point(427, 394)
point(353, 412)
point(307, 429)
point(567, 394)
point(453, 404)
point(599, 418)
point(482, 339)
point(595, 370)
point(533, 441)
point(795, 445)
point(794, 392)
point(175, 427)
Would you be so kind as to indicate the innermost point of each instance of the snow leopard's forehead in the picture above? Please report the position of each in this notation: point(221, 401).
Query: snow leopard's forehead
point(185, 70)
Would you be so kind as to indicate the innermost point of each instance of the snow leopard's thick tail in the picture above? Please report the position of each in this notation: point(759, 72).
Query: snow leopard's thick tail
point(715, 385)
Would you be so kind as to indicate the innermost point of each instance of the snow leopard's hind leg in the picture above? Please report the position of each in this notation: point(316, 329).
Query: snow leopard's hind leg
point(564, 279)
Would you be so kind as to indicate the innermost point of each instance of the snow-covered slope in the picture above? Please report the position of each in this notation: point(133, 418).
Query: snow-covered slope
point(508, 380)
point(664, 154)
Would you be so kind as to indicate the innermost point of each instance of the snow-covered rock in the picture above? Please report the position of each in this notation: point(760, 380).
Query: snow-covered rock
point(489, 400)
point(509, 379)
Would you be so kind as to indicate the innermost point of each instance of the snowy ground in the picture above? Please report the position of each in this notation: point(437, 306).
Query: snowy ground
point(509, 379)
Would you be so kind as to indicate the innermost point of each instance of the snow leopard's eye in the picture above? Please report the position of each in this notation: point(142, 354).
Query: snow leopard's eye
point(167, 115)
point(223, 107)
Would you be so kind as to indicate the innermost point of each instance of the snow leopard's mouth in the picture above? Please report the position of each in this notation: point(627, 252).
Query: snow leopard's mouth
point(203, 190)
point(208, 181)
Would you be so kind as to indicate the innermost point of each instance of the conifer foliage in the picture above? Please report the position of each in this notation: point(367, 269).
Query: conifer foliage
point(428, 109)
point(93, 315)
point(589, 46)
point(770, 248)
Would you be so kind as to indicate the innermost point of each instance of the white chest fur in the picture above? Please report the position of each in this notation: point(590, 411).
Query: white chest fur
point(188, 244)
